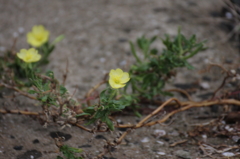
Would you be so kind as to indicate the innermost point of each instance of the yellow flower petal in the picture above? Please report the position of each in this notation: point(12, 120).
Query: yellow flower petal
point(118, 78)
point(29, 56)
point(125, 77)
point(38, 36)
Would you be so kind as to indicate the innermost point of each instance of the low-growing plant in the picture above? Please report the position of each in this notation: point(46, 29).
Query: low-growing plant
point(145, 79)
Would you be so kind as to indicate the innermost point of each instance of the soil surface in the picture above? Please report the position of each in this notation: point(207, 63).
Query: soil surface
point(96, 40)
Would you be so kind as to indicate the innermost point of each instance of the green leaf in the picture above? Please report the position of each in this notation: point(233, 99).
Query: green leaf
point(32, 91)
point(44, 98)
point(78, 115)
point(58, 39)
point(50, 74)
point(109, 124)
point(133, 51)
point(154, 51)
point(63, 90)
point(46, 86)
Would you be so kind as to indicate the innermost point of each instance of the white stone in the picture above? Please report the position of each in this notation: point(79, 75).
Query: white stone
point(228, 154)
point(161, 153)
point(144, 140)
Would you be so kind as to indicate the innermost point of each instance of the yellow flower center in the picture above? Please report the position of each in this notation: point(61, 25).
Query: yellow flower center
point(117, 80)
point(39, 37)
point(29, 57)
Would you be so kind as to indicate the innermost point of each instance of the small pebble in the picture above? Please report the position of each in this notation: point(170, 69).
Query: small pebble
point(15, 35)
point(18, 148)
point(2, 48)
point(228, 154)
point(36, 141)
point(102, 59)
point(21, 30)
point(159, 133)
point(228, 15)
point(183, 154)
point(235, 138)
point(228, 128)
point(161, 153)
point(123, 63)
point(144, 140)
point(160, 142)
point(205, 85)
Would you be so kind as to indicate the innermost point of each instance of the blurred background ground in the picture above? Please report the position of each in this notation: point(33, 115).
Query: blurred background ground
point(96, 40)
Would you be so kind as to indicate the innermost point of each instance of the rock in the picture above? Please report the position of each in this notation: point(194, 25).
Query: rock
point(18, 148)
point(36, 141)
point(84, 146)
point(159, 133)
point(204, 85)
point(161, 153)
point(60, 134)
point(183, 154)
point(30, 154)
point(144, 140)
point(100, 137)
point(228, 154)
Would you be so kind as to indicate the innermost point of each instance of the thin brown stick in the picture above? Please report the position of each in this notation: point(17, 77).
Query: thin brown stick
point(92, 90)
point(177, 143)
point(3, 111)
point(65, 74)
point(180, 91)
point(157, 111)
point(17, 90)
point(82, 127)
point(194, 104)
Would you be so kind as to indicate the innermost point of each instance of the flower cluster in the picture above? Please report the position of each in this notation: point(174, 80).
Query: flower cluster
point(29, 56)
point(38, 36)
point(118, 78)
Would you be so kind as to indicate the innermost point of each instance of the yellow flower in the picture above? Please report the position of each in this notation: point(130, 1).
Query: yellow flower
point(118, 78)
point(38, 36)
point(29, 56)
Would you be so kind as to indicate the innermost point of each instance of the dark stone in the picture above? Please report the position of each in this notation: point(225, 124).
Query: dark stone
point(27, 155)
point(215, 14)
point(36, 141)
point(12, 137)
point(100, 137)
point(165, 139)
point(122, 40)
point(122, 129)
point(84, 146)
point(192, 4)
point(56, 134)
point(159, 9)
point(108, 157)
point(127, 30)
point(18, 148)
point(228, 61)
point(186, 86)
point(205, 78)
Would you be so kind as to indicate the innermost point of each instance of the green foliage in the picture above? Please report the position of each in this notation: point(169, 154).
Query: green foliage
point(44, 89)
point(149, 75)
point(107, 105)
point(68, 152)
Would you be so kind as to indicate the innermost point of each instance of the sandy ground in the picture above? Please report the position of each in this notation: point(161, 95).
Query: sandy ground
point(96, 40)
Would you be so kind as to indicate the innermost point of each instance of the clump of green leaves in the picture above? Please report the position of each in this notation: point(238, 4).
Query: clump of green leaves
point(48, 89)
point(149, 75)
point(107, 105)
point(69, 152)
